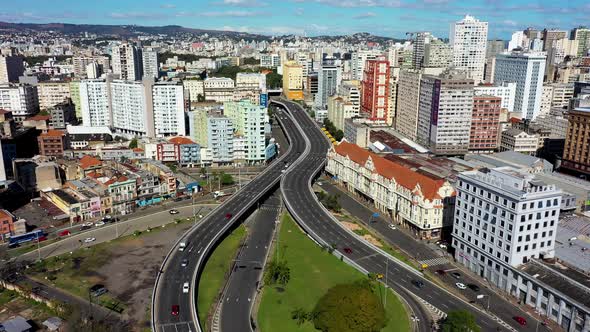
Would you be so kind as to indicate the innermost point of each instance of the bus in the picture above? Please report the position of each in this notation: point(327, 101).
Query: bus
point(30, 236)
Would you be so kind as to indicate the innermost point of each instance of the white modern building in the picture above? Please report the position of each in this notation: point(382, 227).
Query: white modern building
point(249, 120)
point(126, 62)
point(270, 60)
point(129, 108)
point(95, 103)
point(329, 78)
point(21, 99)
point(526, 70)
point(358, 61)
point(255, 81)
point(469, 38)
point(220, 135)
point(506, 91)
point(150, 65)
point(168, 109)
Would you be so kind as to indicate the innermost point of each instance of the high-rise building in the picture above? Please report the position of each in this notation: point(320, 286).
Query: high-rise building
point(421, 39)
point(359, 60)
point(503, 218)
point(270, 60)
point(81, 63)
point(95, 104)
point(437, 54)
point(518, 41)
point(248, 120)
point(526, 70)
point(494, 47)
point(126, 61)
point(375, 90)
point(406, 120)
point(21, 99)
point(52, 93)
point(562, 93)
point(505, 91)
point(220, 136)
point(485, 123)
point(339, 109)
point(293, 80)
point(329, 78)
point(549, 36)
point(11, 67)
point(469, 39)
point(582, 35)
point(129, 108)
point(351, 92)
point(168, 109)
point(75, 97)
point(150, 63)
point(575, 154)
point(546, 99)
point(93, 70)
point(445, 111)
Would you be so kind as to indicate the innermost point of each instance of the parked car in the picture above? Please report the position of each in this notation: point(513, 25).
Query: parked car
point(473, 287)
point(99, 223)
point(89, 239)
point(64, 233)
point(392, 226)
point(185, 287)
point(461, 285)
point(347, 250)
point(456, 275)
point(97, 290)
point(520, 320)
point(84, 227)
point(173, 211)
point(175, 309)
point(88, 224)
point(418, 283)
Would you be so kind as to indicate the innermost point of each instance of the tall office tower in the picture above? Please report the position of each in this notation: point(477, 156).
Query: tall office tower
point(358, 62)
point(127, 60)
point(526, 70)
point(406, 120)
point(351, 92)
point(95, 105)
point(444, 112)
point(518, 40)
point(168, 108)
point(11, 67)
point(293, 80)
point(220, 137)
point(248, 120)
point(391, 113)
point(575, 156)
point(329, 78)
point(582, 35)
point(494, 47)
point(549, 36)
point(505, 91)
point(21, 99)
point(149, 56)
point(375, 90)
point(531, 33)
point(420, 41)
point(306, 63)
point(437, 54)
point(485, 123)
point(131, 108)
point(75, 97)
point(81, 64)
point(469, 39)
point(503, 218)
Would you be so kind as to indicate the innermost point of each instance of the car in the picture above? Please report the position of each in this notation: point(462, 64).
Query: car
point(175, 310)
point(173, 211)
point(182, 246)
point(442, 246)
point(184, 262)
point(185, 287)
point(461, 285)
point(440, 272)
point(64, 233)
point(520, 320)
point(392, 226)
point(87, 224)
point(456, 275)
point(473, 287)
point(99, 223)
point(97, 290)
point(418, 283)
point(380, 276)
point(83, 228)
point(228, 216)
point(89, 239)
point(347, 250)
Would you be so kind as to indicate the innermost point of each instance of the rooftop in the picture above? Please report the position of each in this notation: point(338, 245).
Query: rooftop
point(53, 133)
point(65, 196)
point(88, 161)
point(575, 253)
point(180, 140)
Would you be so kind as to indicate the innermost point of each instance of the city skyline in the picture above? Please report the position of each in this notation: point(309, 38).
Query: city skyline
point(391, 18)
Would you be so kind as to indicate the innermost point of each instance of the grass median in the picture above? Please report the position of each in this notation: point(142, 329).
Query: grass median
point(312, 272)
point(216, 271)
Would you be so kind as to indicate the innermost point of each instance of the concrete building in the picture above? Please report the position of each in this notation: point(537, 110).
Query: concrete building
point(95, 106)
point(357, 132)
point(220, 134)
point(7, 221)
point(575, 157)
point(552, 35)
point(11, 68)
point(421, 39)
point(248, 121)
point(293, 80)
point(129, 108)
point(469, 38)
point(126, 61)
point(81, 63)
point(168, 109)
point(517, 140)
point(62, 115)
point(485, 124)
point(505, 91)
point(270, 60)
point(75, 97)
point(150, 64)
point(329, 79)
point(339, 110)
point(194, 88)
point(582, 35)
point(406, 120)
point(359, 60)
point(219, 89)
point(420, 202)
point(546, 99)
point(21, 99)
point(526, 69)
point(445, 112)
point(52, 143)
point(375, 90)
point(350, 91)
point(93, 70)
point(253, 81)
point(562, 93)
point(437, 54)
point(52, 93)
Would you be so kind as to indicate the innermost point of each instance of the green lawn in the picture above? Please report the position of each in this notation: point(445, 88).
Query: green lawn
point(215, 272)
point(313, 272)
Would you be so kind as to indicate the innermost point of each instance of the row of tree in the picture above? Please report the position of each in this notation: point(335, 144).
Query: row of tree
point(335, 132)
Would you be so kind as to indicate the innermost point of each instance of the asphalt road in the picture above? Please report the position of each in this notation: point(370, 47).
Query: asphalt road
point(201, 239)
point(302, 203)
point(244, 280)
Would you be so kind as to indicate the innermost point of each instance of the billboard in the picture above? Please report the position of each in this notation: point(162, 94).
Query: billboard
point(264, 99)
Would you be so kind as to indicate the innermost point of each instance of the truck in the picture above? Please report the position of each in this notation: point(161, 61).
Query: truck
point(220, 193)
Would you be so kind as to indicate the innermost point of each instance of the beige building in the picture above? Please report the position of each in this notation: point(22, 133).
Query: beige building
point(293, 80)
point(194, 87)
point(406, 120)
point(517, 140)
point(53, 93)
point(339, 109)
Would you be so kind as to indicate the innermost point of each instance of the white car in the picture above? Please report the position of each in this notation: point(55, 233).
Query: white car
point(173, 211)
point(461, 285)
point(89, 239)
point(184, 262)
point(392, 226)
point(185, 287)
point(87, 224)
point(99, 223)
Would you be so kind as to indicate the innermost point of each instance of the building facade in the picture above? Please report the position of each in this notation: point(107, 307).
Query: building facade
point(485, 124)
point(469, 38)
point(375, 90)
point(505, 91)
point(21, 99)
point(406, 120)
point(293, 80)
point(575, 156)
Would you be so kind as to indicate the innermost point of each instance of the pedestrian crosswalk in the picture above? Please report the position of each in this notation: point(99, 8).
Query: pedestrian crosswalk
point(434, 261)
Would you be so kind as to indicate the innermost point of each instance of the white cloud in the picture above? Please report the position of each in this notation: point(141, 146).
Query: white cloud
point(240, 3)
point(364, 15)
point(230, 13)
point(167, 6)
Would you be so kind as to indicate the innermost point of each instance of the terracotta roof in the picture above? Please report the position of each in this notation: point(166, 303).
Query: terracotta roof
point(514, 120)
point(116, 179)
point(54, 132)
point(138, 150)
point(3, 111)
point(180, 140)
point(89, 161)
point(404, 176)
point(94, 175)
point(39, 117)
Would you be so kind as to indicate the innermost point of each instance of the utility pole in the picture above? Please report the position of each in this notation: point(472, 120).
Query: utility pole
point(38, 247)
point(386, 275)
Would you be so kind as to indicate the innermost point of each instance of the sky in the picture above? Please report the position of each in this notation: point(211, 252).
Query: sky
point(391, 18)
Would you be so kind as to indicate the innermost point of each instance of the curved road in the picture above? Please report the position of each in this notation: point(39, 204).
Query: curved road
point(316, 220)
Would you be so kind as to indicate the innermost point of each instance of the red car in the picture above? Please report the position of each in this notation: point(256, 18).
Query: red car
point(228, 216)
point(175, 310)
point(64, 233)
point(520, 320)
point(347, 250)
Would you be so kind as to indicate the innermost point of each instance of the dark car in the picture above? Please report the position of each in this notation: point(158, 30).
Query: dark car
point(418, 283)
point(456, 275)
point(520, 320)
point(473, 287)
point(347, 250)
point(175, 309)
point(85, 227)
point(97, 290)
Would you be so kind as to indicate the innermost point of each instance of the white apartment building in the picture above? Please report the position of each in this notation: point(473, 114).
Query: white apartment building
point(93, 70)
point(506, 91)
point(129, 108)
point(219, 89)
point(95, 103)
point(220, 135)
point(81, 62)
point(469, 38)
point(518, 40)
point(21, 99)
point(351, 91)
point(562, 93)
point(249, 120)
point(437, 54)
point(53, 93)
point(519, 141)
point(11, 67)
point(126, 61)
point(329, 78)
point(358, 61)
point(546, 99)
point(503, 218)
point(406, 120)
point(168, 109)
point(270, 60)
point(527, 70)
point(414, 200)
point(255, 81)
point(150, 63)
point(194, 88)
point(339, 109)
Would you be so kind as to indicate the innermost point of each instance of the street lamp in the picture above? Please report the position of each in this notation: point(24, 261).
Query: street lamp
point(481, 296)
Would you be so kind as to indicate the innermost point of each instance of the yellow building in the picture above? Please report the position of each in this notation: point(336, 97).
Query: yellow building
point(293, 80)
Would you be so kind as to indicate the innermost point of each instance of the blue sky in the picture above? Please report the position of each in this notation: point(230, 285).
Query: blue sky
point(312, 17)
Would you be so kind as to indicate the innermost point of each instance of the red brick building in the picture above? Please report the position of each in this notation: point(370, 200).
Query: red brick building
point(485, 123)
point(375, 90)
point(7, 220)
point(52, 143)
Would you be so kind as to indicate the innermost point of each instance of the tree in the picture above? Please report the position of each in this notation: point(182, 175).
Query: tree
point(349, 308)
point(133, 143)
point(250, 61)
point(299, 315)
point(43, 113)
point(274, 80)
point(460, 321)
point(277, 273)
point(226, 179)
